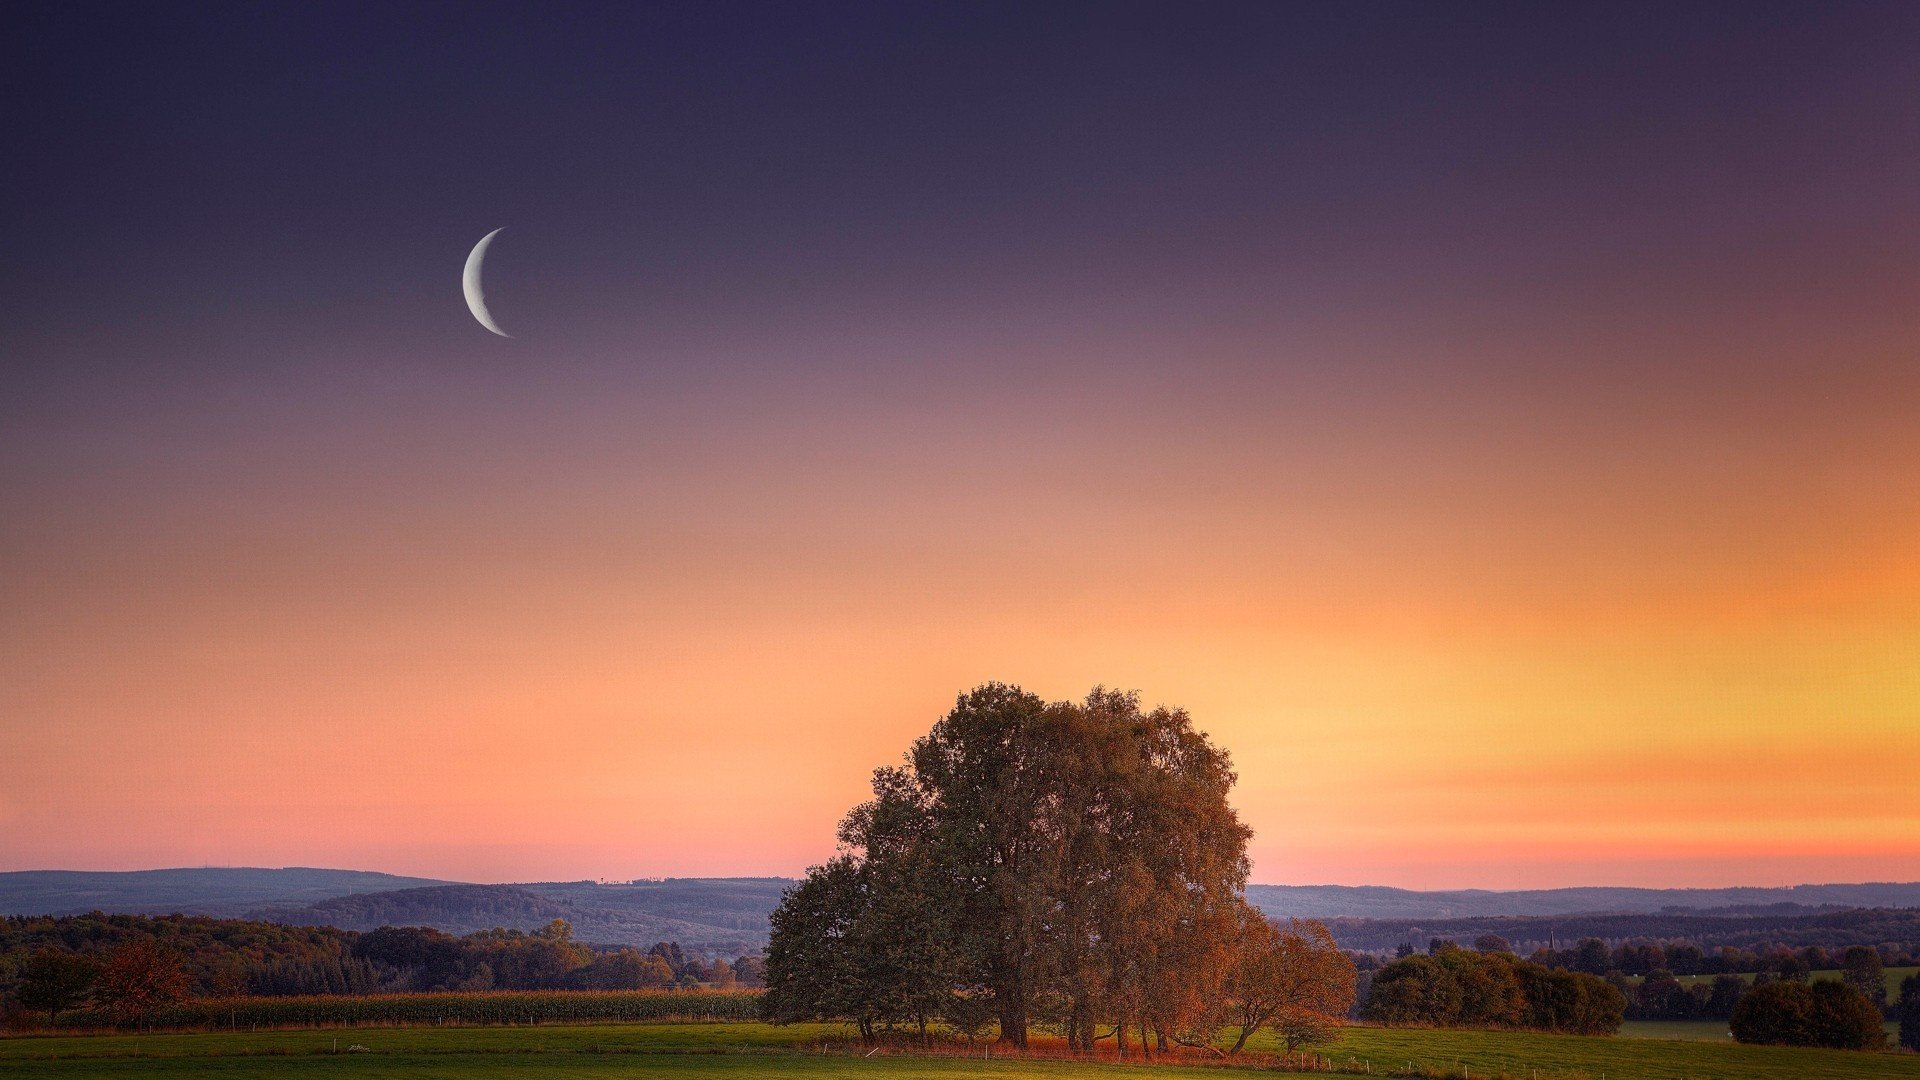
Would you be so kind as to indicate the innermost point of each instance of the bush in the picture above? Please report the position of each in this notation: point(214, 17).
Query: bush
point(1825, 1013)
point(1492, 990)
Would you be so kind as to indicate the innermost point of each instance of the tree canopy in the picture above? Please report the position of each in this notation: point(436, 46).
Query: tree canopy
point(1074, 863)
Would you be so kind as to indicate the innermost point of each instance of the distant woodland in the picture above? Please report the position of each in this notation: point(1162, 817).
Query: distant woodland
point(129, 964)
point(1743, 930)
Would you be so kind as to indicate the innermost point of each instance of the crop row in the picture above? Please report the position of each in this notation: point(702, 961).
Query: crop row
point(483, 1007)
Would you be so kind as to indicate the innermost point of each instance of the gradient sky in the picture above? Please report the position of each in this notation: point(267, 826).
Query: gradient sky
point(1499, 426)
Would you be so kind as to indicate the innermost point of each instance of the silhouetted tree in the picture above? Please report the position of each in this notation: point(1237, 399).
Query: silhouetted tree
point(750, 971)
point(1910, 1012)
point(1686, 958)
point(55, 980)
point(1592, 956)
point(1860, 968)
point(1824, 1013)
point(1082, 853)
point(1725, 995)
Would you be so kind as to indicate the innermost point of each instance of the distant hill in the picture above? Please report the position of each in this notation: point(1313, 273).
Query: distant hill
point(735, 904)
point(1381, 902)
point(729, 915)
point(200, 890)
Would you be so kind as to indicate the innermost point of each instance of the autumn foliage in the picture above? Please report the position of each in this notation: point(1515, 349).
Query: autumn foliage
point(1073, 865)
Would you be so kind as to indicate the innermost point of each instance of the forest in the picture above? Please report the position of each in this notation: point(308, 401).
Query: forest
point(134, 963)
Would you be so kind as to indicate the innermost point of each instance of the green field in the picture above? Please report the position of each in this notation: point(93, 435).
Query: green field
point(1703, 1030)
point(1893, 976)
point(803, 1052)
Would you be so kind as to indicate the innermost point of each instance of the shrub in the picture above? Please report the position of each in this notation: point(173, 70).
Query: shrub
point(1825, 1013)
point(1492, 990)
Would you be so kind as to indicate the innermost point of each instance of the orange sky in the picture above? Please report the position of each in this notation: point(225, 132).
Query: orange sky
point(1666, 638)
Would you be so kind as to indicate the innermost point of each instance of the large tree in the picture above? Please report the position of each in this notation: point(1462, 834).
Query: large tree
point(1078, 858)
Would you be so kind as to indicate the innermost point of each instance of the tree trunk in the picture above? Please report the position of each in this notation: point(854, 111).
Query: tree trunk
point(1012, 998)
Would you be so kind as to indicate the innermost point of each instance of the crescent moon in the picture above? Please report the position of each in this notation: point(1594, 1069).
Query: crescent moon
point(470, 284)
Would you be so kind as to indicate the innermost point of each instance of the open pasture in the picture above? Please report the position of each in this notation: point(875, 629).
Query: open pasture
point(804, 1052)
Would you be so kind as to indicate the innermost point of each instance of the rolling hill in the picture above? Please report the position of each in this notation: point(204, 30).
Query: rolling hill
point(729, 915)
point(725, 917)
point(190, 890)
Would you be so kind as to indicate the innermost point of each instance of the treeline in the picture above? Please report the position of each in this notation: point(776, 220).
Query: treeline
point(1685, 957)
point(1649, 973)
point(421, 958)
point(1724, 943)
point(1069, 866)
point(131, 965)
point(1489, 987)
point(1453, 987)
point(449, 1007)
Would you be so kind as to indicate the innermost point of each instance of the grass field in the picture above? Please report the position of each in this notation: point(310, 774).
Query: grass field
point(749, 1049)
point(1893, 975)
point(1703, 1030)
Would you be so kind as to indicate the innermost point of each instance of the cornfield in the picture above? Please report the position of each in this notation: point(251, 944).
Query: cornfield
point(452, 1007)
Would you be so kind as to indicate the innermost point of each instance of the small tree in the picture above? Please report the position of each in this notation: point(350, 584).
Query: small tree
point(1592, 956)
point(55, 980)
point(1725, 996)
point(1910, 1012)
point(1844, 1019)
point(139, 977)
point(1296, 981)
point(1861, 969)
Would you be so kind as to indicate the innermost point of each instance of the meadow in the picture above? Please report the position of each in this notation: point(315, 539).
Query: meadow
point(803, 1052)
point(1893, 976)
